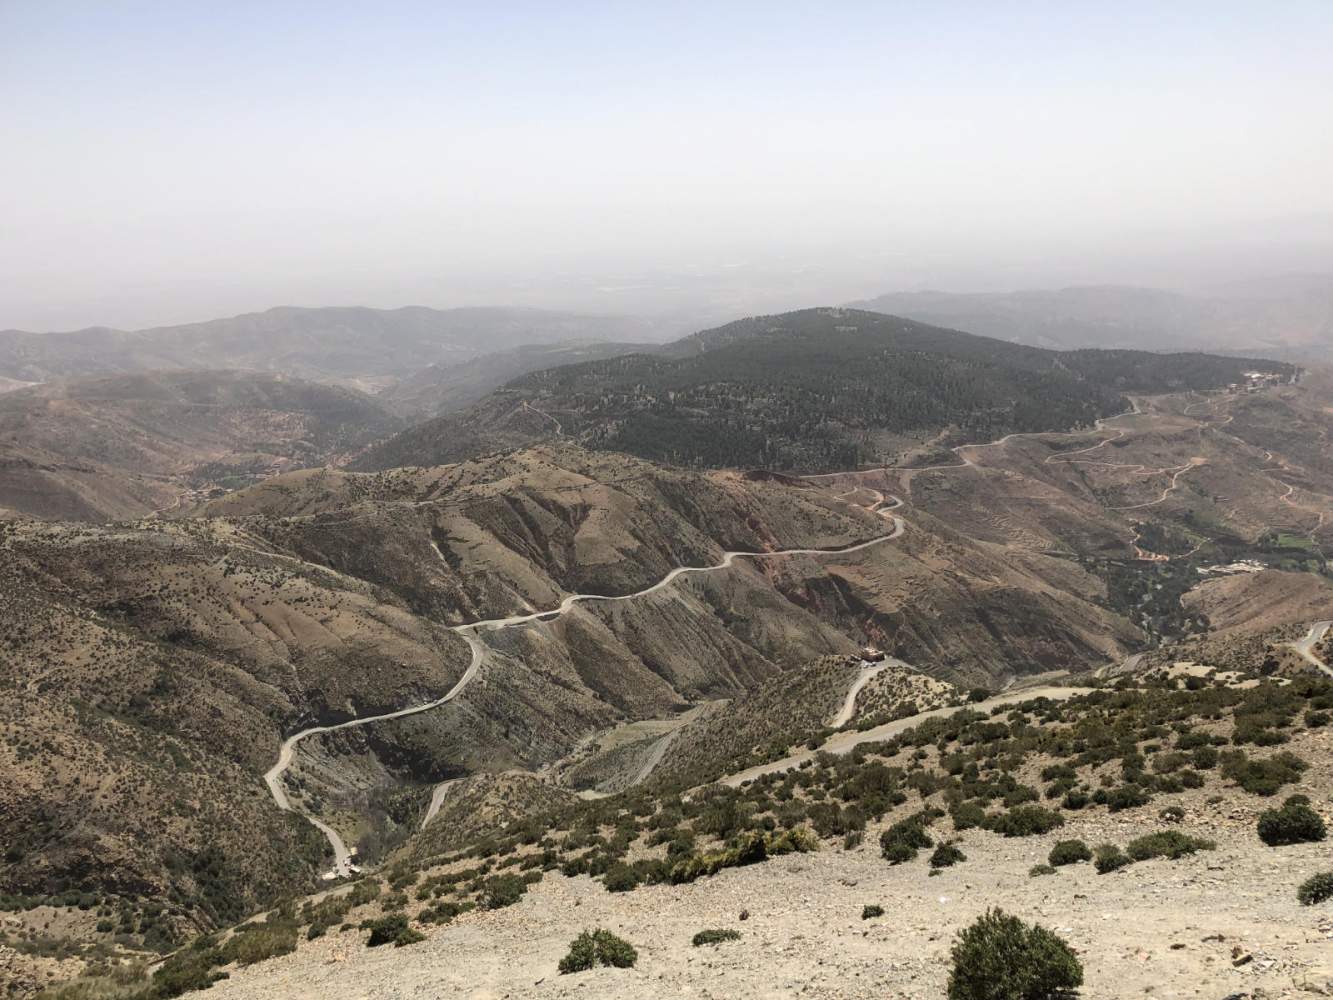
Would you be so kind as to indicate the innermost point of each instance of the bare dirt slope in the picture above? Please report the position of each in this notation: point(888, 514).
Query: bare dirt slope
point(126, 445)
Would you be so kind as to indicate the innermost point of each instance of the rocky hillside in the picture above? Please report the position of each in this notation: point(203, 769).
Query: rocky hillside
point(122, 446)
point(152, 668)
point(174, 656)
point(1168, 832)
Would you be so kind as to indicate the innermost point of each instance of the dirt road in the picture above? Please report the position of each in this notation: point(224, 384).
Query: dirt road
point(342, 865)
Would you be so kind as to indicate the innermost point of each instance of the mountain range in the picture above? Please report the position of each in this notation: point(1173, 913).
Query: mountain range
point(324, 344)
point(1290, 315)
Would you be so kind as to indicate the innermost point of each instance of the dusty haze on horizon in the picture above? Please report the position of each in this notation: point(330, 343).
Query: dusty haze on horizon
point(166, 162)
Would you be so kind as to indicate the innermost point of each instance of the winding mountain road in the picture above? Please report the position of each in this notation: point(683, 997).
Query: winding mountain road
point(966, 463)
point(342, 857)
point(342, 865)
point(839, 743)
point(1170, 488)
point(437, 799)
point(867, 674)
point(1305, 647)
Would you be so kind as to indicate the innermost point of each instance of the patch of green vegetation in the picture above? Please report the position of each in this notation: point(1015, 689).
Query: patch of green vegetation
point(748, 849)
point(801, 390)
point(1025, 821)
point(1167, 844)
point(1107, 858)
point(1315, 889)
point(715, 936)
point(901, 841)
point(946, 856)
point(1294, 823)
point(1069, 852)
point(502, 890)
point(386, 929)
point(999, 957)
point(598, 947)
point(1263, 776)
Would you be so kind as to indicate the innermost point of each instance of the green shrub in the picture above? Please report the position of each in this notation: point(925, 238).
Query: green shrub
point(1109, 858)
point(408, 936)
point(1075, 799)
point(897, 852)
point(1026, 821)
point(871, 910)
point(750, 848)
point(256, 942)
point(1316, 889)
point(1038, 870)
point(967, 815)
point(502, 890)
point(1126, 797)
point(362, 892)
point(187, 970)
point(715, 936)
point(903, 839)
point(620, 878)
point(386, 929)
point(1068, 852)
point(946, 855)
point(1167, 844)
point(1262, 777)
point(444, 911)
point(599, 947)
point(797, 840)
point(1294, 823)
point(999, 957)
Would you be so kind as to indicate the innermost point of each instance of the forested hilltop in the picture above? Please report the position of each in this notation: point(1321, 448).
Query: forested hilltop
point(812, 390)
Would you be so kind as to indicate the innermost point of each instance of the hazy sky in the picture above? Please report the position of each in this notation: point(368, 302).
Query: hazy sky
point(161, 162)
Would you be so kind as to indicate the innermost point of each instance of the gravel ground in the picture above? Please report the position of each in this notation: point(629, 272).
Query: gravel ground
point(1159, 928)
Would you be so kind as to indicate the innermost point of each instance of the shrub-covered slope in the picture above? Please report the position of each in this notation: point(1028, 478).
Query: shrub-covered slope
point(817, 389)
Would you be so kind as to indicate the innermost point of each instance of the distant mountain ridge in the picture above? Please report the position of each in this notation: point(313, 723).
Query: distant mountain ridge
point(1286, 314)
point(814, 390)
point(121, 446)
point(320, 343)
